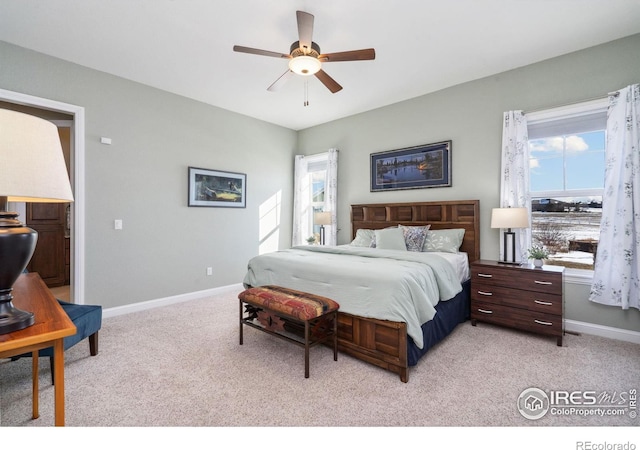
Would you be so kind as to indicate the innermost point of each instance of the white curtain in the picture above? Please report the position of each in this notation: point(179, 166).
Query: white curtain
point(301, 205)
point(331, 197)
point(616, 278)
point(514, 188)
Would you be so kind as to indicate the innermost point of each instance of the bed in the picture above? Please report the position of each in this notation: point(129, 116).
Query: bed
point(394, 305)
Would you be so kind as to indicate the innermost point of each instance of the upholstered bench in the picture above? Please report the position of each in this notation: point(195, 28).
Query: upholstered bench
point(299, 317)
point(88, 321)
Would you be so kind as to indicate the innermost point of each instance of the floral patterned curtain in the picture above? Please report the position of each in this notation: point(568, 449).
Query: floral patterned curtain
point(331, 197)
point(514, 189)
point(616, 278)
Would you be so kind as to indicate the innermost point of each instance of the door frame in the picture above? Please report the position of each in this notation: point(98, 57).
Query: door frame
point(77, 165)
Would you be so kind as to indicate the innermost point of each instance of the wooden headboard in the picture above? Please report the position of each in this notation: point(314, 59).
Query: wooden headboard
point(440, 215)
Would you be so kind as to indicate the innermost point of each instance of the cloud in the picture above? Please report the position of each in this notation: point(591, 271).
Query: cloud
point(556, 144)
point(534, 163)
point(576, 144)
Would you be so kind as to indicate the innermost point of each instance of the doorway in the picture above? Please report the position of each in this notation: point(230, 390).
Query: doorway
point(70, 117)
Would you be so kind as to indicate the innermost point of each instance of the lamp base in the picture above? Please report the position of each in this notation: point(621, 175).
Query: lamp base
point(511, 263)
point(14, 319)
point(17, 244)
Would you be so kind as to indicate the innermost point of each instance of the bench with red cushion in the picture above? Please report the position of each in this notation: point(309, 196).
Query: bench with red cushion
point(276, 310)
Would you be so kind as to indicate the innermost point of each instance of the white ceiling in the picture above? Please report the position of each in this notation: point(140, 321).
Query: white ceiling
point(185, 46)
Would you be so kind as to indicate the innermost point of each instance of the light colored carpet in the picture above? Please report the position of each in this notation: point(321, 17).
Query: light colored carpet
point(182, 366)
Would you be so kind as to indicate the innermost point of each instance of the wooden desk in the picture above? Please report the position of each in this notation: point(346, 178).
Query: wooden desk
point(51, 326)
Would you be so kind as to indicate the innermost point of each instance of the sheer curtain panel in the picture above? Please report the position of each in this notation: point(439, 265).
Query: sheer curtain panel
point(331, 196)
point(514, 188)
point(301, 204)
point(616, 277)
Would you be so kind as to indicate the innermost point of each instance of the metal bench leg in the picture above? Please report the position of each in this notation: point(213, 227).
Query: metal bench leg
point(240, 322)
point(306, 349)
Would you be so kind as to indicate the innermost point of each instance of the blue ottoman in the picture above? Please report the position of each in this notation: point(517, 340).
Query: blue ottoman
point(88, 321)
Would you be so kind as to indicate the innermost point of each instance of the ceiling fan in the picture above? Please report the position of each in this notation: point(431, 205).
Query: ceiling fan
point(305, 57)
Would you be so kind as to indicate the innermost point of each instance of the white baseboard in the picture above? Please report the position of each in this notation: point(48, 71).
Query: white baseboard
point(601, 330)
point(569, 325)
point(150, 304)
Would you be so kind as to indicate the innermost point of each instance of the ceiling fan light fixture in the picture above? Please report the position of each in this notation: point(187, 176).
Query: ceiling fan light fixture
point(305, 65)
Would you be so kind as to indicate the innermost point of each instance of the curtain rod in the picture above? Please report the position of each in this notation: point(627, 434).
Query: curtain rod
point(592, 99)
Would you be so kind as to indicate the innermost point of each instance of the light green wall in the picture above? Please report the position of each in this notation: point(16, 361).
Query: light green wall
point(165, 246)
point(142, 177)
point(470, 115)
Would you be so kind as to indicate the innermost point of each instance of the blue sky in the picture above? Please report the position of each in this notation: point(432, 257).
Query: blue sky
point(580, 157)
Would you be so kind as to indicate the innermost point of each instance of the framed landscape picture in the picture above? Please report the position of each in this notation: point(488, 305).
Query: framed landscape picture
point(422, 166)
point(217, 188)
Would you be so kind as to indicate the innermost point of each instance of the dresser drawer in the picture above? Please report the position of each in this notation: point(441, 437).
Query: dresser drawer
point(531, 280)
point(531, 300)
point(550, 324)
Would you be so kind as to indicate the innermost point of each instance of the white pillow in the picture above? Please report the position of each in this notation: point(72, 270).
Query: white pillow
point(390, 239)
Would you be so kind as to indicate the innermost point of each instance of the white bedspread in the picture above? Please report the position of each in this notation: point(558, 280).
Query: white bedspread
point(394, 285)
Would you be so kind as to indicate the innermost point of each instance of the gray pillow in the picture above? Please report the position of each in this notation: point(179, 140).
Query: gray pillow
point(363, 238)
point(444, 240)
point(390, 239)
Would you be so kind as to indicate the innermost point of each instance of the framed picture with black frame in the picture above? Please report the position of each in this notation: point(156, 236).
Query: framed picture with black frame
point(217, 188)
point(422, 166)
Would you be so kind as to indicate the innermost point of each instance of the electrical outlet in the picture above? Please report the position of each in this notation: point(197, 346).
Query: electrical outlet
point(209, 270)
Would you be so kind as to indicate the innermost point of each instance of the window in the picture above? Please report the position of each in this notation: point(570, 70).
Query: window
point(566, 179)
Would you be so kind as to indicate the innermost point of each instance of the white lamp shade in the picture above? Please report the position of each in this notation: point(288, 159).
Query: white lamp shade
point(510, 218)
point(305, 65)
point(322, 218)
point(32, 166)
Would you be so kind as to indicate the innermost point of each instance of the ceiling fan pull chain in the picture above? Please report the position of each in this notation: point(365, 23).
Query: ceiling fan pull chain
point(306, 92)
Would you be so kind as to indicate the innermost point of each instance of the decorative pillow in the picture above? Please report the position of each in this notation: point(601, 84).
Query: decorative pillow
point(390, 239)
point(414, 237)
point(443, 240)
point(364, 238)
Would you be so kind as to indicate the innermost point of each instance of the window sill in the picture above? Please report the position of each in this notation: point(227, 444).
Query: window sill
point(577, 276)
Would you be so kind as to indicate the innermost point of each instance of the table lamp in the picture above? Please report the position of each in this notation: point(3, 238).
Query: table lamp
point(322, 219)
point(509, 218)
point(32, 169)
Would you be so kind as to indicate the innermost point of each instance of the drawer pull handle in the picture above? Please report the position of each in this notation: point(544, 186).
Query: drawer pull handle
point(485, 275)
point(542, 282)
point(542, 323)
point(485, 293)
point(486, 311)
point(540, 302)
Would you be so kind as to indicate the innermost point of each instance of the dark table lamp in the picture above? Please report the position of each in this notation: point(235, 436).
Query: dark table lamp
point(322, 219)
point(509, 218)
point(32, 169)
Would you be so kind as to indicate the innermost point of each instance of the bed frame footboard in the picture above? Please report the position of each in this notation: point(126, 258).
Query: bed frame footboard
point(379, 342)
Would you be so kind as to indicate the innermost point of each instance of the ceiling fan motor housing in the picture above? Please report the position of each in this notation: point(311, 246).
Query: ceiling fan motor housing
point(295, 50)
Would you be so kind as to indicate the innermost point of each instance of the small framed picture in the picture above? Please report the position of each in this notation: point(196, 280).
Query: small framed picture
point(217, 188)
point(423, 166)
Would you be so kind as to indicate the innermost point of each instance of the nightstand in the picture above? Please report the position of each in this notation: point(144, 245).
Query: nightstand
point(518, 296)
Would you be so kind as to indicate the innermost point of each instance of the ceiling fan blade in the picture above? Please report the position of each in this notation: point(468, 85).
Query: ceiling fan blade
point(329, 82)
point(305, 30)
point(280, 81)
point(257, 51)
point(353, 55)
